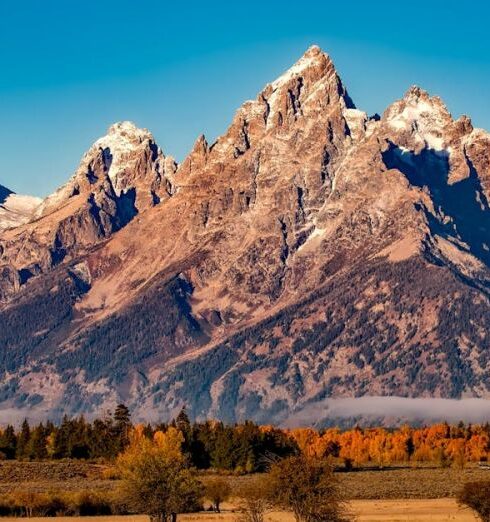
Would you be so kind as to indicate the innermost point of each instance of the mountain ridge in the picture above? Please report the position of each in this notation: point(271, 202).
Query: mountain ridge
point(311, 251)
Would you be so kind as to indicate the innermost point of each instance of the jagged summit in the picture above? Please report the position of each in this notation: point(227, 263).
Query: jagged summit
point(313, 58)
point(311, 252)
point(423, 117)
point(130, 130)
point(316, 70)
point(127, 157)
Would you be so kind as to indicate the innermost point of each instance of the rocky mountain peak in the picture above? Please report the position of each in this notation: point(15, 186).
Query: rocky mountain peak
point(122, 146)
point(313, 62)
point(311, 80)
point(127, 158)
point(128, 130)
point(196, 159)
point(308, 95)
point(419, 120)
point(311, 252)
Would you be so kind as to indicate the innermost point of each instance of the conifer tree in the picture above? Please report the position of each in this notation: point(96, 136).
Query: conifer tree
point(8, 442)
point(23, 440)
point(37, 447)
point(122, 426)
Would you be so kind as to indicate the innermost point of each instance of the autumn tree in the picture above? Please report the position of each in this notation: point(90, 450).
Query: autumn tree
point(308, 488)
point(218, 490)
point(255, 499)
point(155, 477)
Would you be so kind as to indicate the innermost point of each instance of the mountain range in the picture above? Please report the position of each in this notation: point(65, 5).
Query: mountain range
point(310, 252)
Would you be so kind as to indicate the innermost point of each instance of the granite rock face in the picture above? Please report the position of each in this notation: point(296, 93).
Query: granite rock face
point(312, 251)
point(121, 175)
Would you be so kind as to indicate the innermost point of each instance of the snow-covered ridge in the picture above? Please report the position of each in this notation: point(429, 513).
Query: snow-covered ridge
point(313, 56)
point(122, 146)
point(123, 140)
point(422, 115)
point(16, 210)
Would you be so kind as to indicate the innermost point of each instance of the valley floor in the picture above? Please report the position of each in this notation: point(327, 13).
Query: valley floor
point(434, 510)
point(396, 493)
point(393, 482)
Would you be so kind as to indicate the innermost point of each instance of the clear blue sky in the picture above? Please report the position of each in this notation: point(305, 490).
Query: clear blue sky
point(70, 68)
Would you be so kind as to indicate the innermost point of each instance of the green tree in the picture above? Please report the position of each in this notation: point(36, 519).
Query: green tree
point(23, 440)
point(182, 421)
point(8, 442)
point(37, 447)
point(122, 426)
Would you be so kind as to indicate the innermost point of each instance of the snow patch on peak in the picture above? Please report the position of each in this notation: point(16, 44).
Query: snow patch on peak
point(423, 116)
point(122, 140)
point(16, 209)
point(312, 57)
point(122, 147)
point(356, 121)
point(128, 130)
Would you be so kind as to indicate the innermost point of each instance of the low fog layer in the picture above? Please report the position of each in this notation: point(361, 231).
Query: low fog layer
point(391, 411)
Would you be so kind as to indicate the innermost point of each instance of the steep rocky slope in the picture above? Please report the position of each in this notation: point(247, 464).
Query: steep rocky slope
point(310, 252)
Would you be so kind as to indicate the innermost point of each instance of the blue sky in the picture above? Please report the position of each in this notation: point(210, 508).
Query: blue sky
point(68, 69)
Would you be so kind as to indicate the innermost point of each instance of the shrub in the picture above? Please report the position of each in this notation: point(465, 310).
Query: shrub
point(53, 504)
point(476, 495)
point(254, 500)
point(308, 488)
point(110, 473)
point(92, 504)
point(217, 490)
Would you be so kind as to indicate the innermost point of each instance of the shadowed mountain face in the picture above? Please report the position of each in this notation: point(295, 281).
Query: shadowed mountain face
point(461, 206)
point(4, 193)
point(310, 253)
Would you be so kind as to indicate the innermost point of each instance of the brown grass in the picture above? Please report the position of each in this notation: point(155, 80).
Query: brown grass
point(408, 483)
point(435, 510)
point(403, 482)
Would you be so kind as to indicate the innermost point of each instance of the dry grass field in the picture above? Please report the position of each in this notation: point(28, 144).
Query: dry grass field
point(434, 510)
point(408, 482)
point(395, 494)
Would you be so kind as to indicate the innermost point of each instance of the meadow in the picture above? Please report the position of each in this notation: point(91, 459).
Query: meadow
point(421, 481)
point(395, 493)
point(434, 510)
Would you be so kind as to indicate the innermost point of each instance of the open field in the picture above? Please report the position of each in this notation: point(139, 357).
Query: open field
point(434, 510)
point(41, 477)
point(392, 494)
point(402, 482)
point(408, 483)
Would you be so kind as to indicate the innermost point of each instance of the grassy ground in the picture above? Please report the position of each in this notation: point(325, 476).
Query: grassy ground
point(407, 482)
point(52, 476)
point(393, 494)
point(427, 482)
point(435, 510)
point(368, 484)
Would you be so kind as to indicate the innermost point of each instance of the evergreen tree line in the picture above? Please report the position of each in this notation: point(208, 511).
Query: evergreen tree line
point(242, 447)
point(246, 447)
